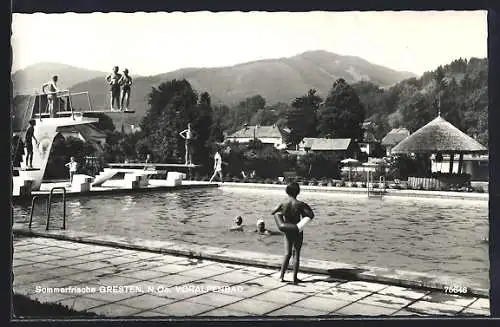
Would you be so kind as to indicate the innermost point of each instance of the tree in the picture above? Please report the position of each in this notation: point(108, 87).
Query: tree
point(264, 117)
point(417, 113)
point(301, 117)
point(219, 123)
point(173, 105)
point(202, 125)
point(372, 96)
point(381, 127)
point(243, 112)
point(342, 114)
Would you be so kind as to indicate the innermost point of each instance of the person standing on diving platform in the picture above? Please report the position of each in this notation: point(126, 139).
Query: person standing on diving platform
point(113, 80)
point(126, 84)
point(188, 135)
point(52, 95)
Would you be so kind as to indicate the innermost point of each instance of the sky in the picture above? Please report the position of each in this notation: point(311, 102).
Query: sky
point(155, 43)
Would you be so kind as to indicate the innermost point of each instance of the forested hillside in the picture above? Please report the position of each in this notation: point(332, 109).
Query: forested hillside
point(458, 91)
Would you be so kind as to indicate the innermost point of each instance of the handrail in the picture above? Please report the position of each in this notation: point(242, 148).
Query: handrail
point(371, 190)
point(31, 211)
point(49, 203)
point(90, 101)
point(70, 105)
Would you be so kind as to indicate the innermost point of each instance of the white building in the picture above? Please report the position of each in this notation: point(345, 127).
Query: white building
point(266, 134)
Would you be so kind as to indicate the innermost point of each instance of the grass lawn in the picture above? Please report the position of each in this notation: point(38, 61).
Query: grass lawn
point(24, 307)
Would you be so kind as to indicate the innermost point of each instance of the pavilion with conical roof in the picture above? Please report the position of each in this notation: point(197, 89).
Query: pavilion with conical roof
point(441, 137)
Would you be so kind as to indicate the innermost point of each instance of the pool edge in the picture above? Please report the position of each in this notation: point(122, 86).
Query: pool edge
point(330, 268)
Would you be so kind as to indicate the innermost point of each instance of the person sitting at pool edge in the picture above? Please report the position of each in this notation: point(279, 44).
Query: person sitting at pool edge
point(287, 215)
point(238, 224)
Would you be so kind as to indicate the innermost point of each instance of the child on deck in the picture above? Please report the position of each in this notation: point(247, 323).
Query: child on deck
point(287, 215)
point(72, 165)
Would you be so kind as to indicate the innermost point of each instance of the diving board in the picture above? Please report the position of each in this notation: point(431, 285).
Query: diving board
point(109, 173)
point(152, 165)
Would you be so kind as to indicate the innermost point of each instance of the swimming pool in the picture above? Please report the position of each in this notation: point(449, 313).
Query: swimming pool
point(437, 236)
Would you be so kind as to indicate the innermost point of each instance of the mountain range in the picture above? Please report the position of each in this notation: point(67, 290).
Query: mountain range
point(31, 78)
point(277, 80)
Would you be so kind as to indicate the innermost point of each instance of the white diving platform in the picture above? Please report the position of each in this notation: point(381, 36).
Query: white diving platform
point(152, 165)
point(46, 129)
point(140, 169)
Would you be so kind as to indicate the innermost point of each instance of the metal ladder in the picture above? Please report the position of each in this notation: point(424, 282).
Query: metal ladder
point(49, 205)
point(371, 191)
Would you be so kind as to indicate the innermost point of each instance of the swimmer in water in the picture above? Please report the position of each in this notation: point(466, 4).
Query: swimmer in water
point(261, 228)
point(238, 224)
point(287, 215)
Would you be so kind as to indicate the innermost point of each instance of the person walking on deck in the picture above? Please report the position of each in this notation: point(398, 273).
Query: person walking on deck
point(188, 135)
point(217, 167)
point(113, 80)
point(51, 95)
point(28, 140)
point(126, 84)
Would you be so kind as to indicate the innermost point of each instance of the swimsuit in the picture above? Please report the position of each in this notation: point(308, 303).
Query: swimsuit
point(218, 166)
point(126, 82)
point(114, 83)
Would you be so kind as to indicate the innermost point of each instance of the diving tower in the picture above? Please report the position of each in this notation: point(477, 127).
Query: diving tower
point(46, 128)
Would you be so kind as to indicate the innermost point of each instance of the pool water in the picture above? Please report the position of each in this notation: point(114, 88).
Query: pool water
point(437, 236)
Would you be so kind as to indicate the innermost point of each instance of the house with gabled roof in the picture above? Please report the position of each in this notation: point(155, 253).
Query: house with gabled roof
point(270, 135)
point(393, 138)
point(343, 147)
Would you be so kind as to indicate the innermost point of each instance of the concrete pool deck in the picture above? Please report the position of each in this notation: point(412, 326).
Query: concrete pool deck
point(157, 185)
point(173, 279)
point(363, 191)
point(114, 187)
